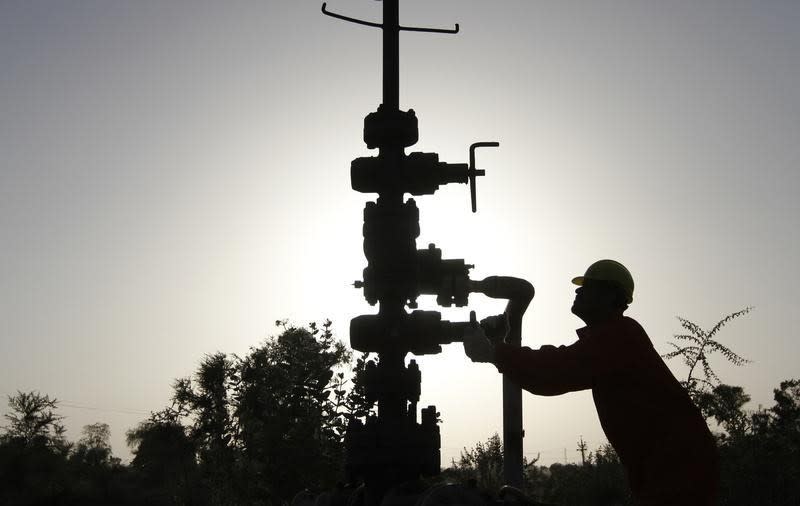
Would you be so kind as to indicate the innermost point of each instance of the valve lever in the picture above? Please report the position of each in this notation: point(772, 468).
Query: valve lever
point(472, 172)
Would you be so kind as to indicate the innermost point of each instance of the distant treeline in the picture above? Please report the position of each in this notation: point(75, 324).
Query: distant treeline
point(259, 429)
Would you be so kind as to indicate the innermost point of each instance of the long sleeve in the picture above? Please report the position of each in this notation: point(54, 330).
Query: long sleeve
point(548, 370)
point(601, 353)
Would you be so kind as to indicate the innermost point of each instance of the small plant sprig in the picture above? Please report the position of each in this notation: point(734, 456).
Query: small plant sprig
point(700, 344)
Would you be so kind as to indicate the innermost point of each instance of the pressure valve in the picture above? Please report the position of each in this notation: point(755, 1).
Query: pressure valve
point(419, 173)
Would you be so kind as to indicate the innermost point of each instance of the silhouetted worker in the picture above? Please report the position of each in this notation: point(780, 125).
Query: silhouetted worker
point(660, 436)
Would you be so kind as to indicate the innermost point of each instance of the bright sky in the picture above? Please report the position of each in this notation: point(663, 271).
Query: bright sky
point(175, 177)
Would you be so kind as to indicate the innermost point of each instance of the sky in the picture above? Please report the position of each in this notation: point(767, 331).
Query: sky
point(175, 177)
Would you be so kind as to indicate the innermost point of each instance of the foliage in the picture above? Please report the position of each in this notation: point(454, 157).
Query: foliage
point(786, 411)
point(353, 403)
point(767, 452)
point(96, 436)
point(724, 403)
point(94, 448)
point(482, 465)
point(33, 451)
point(206, 402)
point(763, 446)
point(164, 460)
point(33, 421)
point(601, 481)
point(700, 344)
point(759, 464)
point(39, 466)
point(242, 430)
point(289, 426)
point(255, 429)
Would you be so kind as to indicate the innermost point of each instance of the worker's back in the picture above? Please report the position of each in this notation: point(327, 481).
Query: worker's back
point(658, 433)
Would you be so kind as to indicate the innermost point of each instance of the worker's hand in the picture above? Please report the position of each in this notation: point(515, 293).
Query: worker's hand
point(495, 327)
point(477, 346)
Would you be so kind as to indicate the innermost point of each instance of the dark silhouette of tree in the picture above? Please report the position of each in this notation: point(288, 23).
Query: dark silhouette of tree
point(96, 476)
point(350, 403)
point(699, 345)
point(483, 463)
point(482, 467)
point(761, 465)
point(33, 452)
point(206, 400)
point(38, 466)
point(33, 420)
point(583, 449)
point(759, 452)
point(164, 460)
point(786, 411)
point(93, 449)
point(725, 404)
point(290, 427)
point(255, 429)
point(600, 481)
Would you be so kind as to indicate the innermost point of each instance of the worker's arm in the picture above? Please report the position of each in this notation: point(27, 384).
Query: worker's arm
point(548, 370)
point(604, 351)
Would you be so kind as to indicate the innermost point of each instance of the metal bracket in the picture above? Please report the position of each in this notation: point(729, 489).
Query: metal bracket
point(379, 25)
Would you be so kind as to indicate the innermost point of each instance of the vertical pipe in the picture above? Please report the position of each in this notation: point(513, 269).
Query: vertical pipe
point(512, 433)
point(512, 393)
point(391, 55)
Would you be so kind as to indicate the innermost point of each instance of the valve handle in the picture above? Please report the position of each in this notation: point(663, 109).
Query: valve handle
point(472, 172)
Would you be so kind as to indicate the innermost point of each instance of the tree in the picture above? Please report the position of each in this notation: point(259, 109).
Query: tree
point(786, 411)
point(483, 464)
point(164, 460)
point(33, 420)
point(206, 401)
point(289, 423)
point(724, 403)
point(701, 344)
point(94, 447)
point(96, 477)
point(255, 429)
point(583, 448)
point(353, 403)
point(768, 456)
point(33, 452)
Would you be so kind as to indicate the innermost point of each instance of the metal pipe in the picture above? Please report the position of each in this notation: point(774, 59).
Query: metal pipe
point(391, 55)
point(512, 434)
point(520, 294)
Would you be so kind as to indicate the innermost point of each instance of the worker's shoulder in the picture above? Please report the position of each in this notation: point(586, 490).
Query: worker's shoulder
point(622, 330)
point(628, 323)
point(621, 324)
point(629, 327)
point(633, 334)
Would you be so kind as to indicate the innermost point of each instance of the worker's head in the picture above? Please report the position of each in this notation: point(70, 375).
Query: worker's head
point(605, 290)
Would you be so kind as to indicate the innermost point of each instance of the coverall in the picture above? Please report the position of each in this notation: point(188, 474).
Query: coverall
point(660, 436)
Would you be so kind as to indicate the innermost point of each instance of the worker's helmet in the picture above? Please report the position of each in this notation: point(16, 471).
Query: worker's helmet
point(611, 271)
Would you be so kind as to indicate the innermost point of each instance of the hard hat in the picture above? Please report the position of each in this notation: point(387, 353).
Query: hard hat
point(609, 270)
